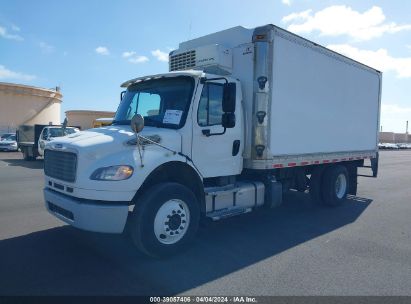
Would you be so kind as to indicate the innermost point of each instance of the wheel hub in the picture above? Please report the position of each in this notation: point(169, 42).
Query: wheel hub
point(171, 221)
point(174, 222)
point(340, 186)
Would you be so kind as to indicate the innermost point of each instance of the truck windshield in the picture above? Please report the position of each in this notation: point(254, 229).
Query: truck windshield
point(162, 102)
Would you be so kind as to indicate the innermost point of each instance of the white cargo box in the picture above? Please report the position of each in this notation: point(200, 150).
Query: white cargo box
point(321, 102)
point(304, 104)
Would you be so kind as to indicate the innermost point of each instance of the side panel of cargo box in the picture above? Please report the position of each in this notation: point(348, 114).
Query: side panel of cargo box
point(321, 102)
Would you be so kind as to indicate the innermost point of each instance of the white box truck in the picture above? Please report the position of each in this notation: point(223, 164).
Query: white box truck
point(32, 139)
point(242, 116)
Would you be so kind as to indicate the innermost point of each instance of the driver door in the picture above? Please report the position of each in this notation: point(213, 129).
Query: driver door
point(215, 155)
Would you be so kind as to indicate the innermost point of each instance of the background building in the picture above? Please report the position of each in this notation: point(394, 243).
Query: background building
point(27, 105)
point(394, 138)
point(85, 118)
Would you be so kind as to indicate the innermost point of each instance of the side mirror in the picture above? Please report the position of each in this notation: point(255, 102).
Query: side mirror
point(228, 120)
point(122, 95)
point(137, 123)
point(229, 97)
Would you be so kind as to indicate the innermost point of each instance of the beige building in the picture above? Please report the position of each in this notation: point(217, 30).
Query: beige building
point(391, 137)
point(85, 118)
point(27, 105)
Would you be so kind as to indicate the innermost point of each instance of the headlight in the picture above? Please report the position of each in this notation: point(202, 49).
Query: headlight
point(113, 173)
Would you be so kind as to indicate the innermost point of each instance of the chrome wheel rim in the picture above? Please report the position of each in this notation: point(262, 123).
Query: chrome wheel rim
point(340, 186)
point(171, 221)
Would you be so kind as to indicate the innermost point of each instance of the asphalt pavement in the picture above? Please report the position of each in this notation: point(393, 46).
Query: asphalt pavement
point(360, 248)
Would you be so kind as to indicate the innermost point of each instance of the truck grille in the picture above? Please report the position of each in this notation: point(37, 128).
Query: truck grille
point(183, 61)
point(60, 165)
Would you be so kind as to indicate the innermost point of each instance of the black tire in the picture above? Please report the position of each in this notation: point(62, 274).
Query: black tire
point(26, 156)
point(315, 185)
point(329, 193)
point(353, 179)
point(353, 185)
point(144, 214)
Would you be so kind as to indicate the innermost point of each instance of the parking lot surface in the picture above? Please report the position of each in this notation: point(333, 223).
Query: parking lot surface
point(360, 248)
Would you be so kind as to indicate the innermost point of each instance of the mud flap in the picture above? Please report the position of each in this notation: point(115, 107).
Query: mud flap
point(374, 165)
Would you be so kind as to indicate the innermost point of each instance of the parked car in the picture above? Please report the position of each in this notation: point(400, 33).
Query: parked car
point(6, 135)
point(388, 146)
point(385, 146)
point(404, 146)
point(33, 138)
point(9, 143)
point(49, 133)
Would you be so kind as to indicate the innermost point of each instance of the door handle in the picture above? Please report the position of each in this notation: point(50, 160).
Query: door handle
point(236, 147)
point(206, 132)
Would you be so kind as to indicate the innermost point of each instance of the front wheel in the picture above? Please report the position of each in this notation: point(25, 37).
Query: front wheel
point(165, 219)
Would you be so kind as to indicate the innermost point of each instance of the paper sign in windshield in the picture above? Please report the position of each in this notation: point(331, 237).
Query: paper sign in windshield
point(172, 117)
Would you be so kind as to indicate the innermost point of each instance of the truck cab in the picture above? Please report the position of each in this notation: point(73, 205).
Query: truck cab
point(191, 120)
point(51, 132)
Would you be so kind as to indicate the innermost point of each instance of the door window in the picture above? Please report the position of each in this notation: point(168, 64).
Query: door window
point(44, 134)
point(210, 108)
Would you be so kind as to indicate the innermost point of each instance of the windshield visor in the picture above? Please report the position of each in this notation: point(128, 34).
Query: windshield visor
point(162, 102)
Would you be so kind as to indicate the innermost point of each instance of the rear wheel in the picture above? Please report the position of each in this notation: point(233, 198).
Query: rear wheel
point(26, 155)
point(165, 220)
point(334, 186)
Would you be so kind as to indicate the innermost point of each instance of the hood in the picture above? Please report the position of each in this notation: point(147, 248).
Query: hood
point(110, 139)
